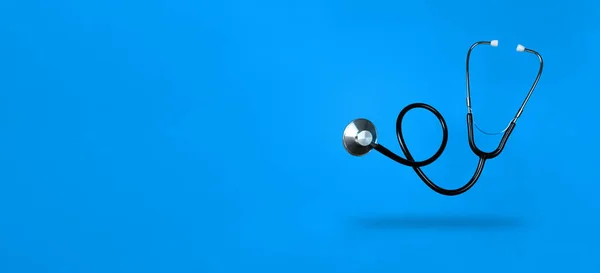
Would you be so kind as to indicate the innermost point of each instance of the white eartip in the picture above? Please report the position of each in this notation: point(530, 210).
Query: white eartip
point(520, 48)
point(494, 43)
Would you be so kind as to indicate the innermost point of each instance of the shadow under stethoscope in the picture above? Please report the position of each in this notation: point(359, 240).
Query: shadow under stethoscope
point(476, 222)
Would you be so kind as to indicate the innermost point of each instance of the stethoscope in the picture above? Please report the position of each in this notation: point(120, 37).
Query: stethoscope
point(360, 135)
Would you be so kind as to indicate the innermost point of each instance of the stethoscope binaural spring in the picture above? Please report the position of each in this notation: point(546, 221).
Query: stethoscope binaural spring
point(360, 135)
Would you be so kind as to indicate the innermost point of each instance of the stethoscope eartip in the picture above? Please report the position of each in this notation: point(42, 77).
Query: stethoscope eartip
point(359, 136)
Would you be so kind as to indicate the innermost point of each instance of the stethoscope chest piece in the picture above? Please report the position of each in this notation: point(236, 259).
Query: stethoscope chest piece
point(358, 137)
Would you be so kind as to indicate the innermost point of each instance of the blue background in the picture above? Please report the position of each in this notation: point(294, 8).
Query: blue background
point(186, 136)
